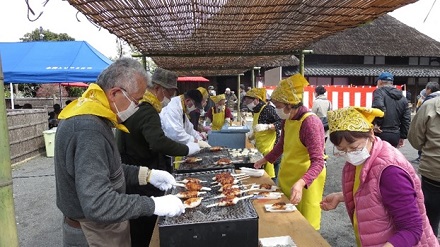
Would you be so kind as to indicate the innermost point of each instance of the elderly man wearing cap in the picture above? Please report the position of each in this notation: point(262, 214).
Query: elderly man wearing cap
point(394, 125)
point(147, 145)
point(266, 125)
point(175, 118)
point(301, 144)
point(380, 188)
point(219, 115)
point(90, 179)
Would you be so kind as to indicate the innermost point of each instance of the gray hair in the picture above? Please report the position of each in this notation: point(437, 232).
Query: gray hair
point(433, 86)
point(122, 73)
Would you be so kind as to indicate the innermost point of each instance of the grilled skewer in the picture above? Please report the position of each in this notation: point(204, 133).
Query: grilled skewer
point(192, 186)
point(227, 174)
point(189, 194)
point(229, 180)
point(230, 193)
point(229, 201)
point(192, 202)
point(193, 180)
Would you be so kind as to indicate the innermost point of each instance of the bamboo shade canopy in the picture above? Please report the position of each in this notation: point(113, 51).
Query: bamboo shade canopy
point(207, 37)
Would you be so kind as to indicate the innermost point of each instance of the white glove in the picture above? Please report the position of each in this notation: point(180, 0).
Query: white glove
point(161, 179)
point(193, 148)
point(169, 205)
point(261, 127)
point(204, 144)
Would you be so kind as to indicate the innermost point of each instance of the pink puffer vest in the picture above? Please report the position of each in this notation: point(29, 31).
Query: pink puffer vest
point(374, 224)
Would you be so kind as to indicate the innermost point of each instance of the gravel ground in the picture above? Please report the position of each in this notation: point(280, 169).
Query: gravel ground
point(39, 220)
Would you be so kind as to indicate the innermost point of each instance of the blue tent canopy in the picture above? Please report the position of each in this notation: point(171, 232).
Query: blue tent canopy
point(51, 62)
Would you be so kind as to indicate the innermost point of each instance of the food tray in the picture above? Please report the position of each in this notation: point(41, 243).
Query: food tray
point(246, 156)
point(289, 208)
point(282, 241)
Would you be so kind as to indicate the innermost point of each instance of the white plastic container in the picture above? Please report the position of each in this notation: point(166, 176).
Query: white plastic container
point(49, 141)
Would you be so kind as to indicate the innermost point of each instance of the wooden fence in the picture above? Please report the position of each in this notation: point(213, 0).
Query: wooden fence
point(26, 128)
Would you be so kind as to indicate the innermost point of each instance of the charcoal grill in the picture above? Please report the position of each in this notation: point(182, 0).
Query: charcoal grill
point(235, 225)
point(208, 161)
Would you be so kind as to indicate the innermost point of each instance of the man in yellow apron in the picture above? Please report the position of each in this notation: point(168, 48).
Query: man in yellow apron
point(219, 115)
point(266, 125)
point(302, 171)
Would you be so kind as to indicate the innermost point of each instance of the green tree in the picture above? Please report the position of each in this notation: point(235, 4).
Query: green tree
point(40, 34)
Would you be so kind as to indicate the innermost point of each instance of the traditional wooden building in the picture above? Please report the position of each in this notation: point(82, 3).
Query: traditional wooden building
point(358, 55)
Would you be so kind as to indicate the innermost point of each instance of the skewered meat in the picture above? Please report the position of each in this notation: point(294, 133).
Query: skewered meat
point(226, 180)
point(231, 192)
point(216, 148)
point(227, 186)
point(224, 161)
point(192, 202)
point(189, 194)
point(221, 175)
point(266, 186)
point(227, 174)
point(192, 180)
point(279, 206)
point(193, 186)
point(192, 159)
point(228, 201)
point(264, 193)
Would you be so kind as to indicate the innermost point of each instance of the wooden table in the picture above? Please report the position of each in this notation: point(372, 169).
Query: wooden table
point(270, 224)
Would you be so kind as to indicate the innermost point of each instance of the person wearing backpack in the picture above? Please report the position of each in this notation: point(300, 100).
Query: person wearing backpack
point(321, 106)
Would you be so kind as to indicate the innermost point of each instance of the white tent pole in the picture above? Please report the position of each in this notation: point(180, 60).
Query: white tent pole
point(61, 104)
point(11, 88)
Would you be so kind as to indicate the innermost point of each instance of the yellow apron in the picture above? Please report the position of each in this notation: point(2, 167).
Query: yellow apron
point(218, 119)
point(264, 142)
point(294, 164)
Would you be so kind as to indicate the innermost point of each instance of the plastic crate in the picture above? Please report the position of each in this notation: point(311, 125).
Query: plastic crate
point(231, 137)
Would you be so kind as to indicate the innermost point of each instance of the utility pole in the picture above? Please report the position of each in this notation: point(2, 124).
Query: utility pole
point(8, 232)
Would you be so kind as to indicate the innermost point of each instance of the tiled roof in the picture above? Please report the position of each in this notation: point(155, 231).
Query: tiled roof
point(371, 70)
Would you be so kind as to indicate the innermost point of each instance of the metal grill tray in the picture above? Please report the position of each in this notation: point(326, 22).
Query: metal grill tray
point(242, 210)
point(208, 161)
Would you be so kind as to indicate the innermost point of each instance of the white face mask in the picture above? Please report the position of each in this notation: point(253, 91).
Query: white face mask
point(357, 157)
point(280, 112)
point(125, 114)
point(221, 108)
point(190, 109)
point(165, 101)
point(202, 112)
point(251, 106)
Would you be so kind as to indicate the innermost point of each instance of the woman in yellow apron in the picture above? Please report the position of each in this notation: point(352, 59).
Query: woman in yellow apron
point(219, 115)
point(266, 125)
point(302, 171)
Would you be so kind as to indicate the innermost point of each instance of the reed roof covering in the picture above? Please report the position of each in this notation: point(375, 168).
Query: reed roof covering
point(212, 36)
point(385, 36)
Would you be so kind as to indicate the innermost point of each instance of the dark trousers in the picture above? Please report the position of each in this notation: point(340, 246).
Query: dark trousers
point(142, 228)
point(431, 191)
point(391, 138)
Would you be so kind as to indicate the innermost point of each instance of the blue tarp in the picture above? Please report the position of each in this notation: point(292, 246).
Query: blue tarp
point(51, 62)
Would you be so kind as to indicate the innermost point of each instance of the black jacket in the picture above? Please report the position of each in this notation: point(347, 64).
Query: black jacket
point(397, 113)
